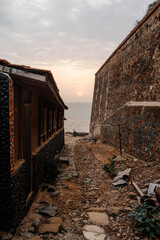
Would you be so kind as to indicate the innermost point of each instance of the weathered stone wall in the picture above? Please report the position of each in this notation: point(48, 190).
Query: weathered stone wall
point(44, 153)
point(11, 122)
point(141, 133)
point(5, 173)
point(132, 72)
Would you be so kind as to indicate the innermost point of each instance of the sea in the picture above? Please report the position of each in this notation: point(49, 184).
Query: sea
point(77, 117)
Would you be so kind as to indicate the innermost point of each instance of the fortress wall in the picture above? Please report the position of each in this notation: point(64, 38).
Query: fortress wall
point(131, 73)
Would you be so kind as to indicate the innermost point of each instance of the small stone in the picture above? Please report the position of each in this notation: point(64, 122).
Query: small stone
point(5, 235)
point(92, 232)
point(119, 183)
point(49, 228)
point(96, 209)
point(49, 187)
point(36, 238)
point(64, 160)
point(55, 220)
point(33, 216)
point(46, 199)
point(98, 218)
point(54, 194)
point(48, 213)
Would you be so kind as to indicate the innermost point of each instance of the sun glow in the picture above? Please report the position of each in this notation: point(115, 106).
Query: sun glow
point(79, 94)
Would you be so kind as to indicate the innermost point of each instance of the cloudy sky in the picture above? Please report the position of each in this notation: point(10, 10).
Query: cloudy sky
point(72, 38)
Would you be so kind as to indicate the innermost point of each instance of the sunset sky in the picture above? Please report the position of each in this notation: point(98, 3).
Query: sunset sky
point(72, 38)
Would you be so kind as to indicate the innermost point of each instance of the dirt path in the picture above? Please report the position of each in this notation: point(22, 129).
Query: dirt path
point(83, 194)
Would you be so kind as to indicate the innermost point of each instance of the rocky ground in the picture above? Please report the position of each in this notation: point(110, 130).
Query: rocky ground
point(82, 202)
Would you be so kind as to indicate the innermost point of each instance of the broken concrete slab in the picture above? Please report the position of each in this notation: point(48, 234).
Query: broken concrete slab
point(119, 183)
point(98, 218)
point(93, 232)
point(123, 175)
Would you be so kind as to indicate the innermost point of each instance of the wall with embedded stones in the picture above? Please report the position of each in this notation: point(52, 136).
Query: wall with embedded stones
point(131, 73)
point(14, 184)
point(5, 170)
point(140, 130)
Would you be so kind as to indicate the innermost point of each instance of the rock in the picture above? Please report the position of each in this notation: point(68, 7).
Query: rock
point(119, 183)
point(26, 234)
point(49, 228)
point(55, 220)
point(92, 232)
point(39, 207)
point(152, 188)
point(157, 181)
point(36, 238)
point(98, 218)
point(64, 160)
point(123, 175)
point(54, 194)
point(33, 216)
point(5, 235)
point(49, 187)
point(47, 199)
point(47, 213)
point(97, 209)
point(87, 180)
point(119, 159)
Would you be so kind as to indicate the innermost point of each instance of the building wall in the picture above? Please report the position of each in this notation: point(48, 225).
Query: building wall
point(14, 181)
point(132, 72)
point(20, 178)
point(5, 168)
point(140, 130)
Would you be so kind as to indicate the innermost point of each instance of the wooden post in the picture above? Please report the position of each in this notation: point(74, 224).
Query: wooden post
point(120, 140)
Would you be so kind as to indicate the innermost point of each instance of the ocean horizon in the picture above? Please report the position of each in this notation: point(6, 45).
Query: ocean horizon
point(78, 117)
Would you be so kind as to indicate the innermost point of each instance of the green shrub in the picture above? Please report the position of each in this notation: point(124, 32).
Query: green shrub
point(110, 168)
point(147, 219)
point(95, 140)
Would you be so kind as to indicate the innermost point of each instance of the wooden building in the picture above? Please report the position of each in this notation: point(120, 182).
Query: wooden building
point(32, 131)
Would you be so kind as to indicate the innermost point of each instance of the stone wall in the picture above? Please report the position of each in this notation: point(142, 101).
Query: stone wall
point(20, 178)
point(11, 122)
point(5, 173)
point(131, 73)
point(44, 153)
point(140, 133)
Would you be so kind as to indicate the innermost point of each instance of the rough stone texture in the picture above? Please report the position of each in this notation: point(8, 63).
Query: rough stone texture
point(140, 134)
point(98, 218)
point(19, 192)
point(49, 228)
point(131, 74)
point(11, 122)
point(93, 232)
point(44, 153)
point(5, 176)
